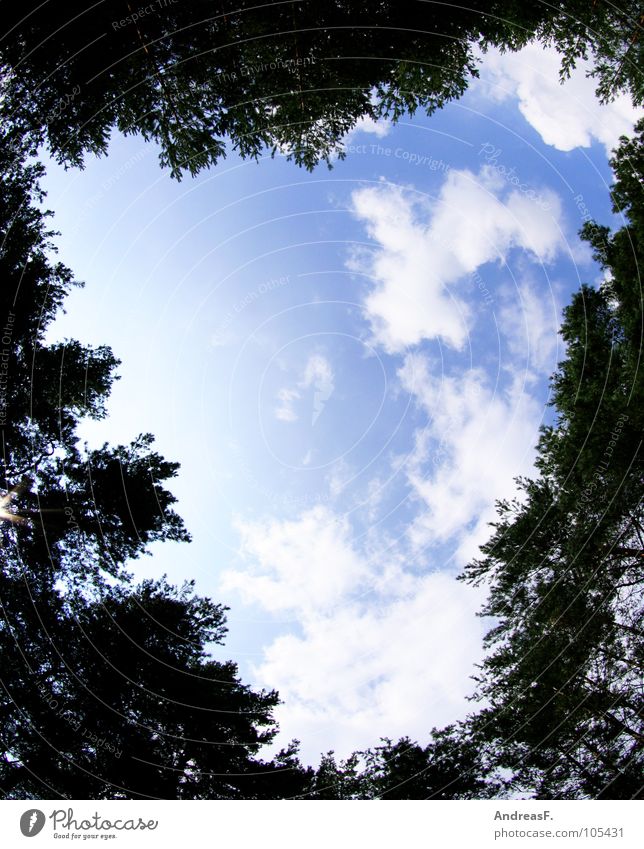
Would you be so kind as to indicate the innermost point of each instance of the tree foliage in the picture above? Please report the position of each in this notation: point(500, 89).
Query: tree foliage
point(109, 689)
point(564, 564)
point(107, 503)
point(450, 766)
point(290, 76)
point(117, 697)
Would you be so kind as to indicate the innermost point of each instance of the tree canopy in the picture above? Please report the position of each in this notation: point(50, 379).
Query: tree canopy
point(109, 688)
point(291, 76)
point(450, 766)
point(78, 498)
point(564, 564)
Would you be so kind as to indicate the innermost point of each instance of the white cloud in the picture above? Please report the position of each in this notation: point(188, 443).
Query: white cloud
point(425, 249)
point(285, 411)
point(339, 477)
point(477, 440)
point(393, 669)
point(317, 374)
point(365, 124)
point(382, 651)
point(304, 565)
point(383, 647)
point(530, 323)
point(306, 459)
point(565, 116)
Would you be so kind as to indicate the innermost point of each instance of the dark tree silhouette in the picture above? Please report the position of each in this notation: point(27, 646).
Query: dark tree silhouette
point(563, 677)
point(107, 504)
point(451, 766)
point(107, 690)
point(117, 697)
point(293, 75)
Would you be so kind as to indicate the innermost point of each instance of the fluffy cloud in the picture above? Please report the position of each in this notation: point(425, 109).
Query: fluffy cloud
point(379, 128)
point(305, 565)
point(565, 116)
point(384, 647)
point(382, 650)
point(424, 250)
point(476, 441)
point(284, 410)
point(318, 375)
point(530, 324)
point(391, 670)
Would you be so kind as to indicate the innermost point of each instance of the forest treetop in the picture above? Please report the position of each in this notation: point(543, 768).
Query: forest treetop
point(289, 76)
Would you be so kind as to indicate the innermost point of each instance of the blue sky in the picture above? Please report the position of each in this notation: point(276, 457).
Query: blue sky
point(351, 366)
